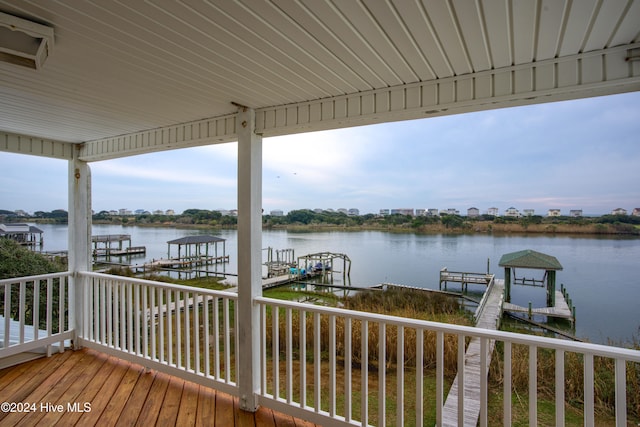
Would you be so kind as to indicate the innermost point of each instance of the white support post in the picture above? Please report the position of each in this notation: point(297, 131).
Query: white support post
point(249, 257)
point(79, 241)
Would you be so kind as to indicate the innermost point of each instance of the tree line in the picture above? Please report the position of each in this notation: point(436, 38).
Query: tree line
point(307, 217)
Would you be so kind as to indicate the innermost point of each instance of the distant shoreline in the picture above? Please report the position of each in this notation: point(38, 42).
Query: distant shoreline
point(487, 227)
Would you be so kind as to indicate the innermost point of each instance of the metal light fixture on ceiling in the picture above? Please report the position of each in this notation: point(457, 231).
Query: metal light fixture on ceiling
point(24, 42)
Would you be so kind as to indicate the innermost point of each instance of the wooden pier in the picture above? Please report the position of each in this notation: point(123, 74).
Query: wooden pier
point(463, 278)
point(561, 309)
point(186, 262)
point(488, 316)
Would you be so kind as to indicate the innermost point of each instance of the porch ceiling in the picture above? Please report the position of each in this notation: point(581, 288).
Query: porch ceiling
point(123, 68)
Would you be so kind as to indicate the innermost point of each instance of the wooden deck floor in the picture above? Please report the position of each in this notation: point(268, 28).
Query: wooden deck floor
point(118, 392)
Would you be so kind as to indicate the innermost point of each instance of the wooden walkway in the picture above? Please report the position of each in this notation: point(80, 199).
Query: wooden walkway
point(87, 388)
point(488, 319)
point(561, 310)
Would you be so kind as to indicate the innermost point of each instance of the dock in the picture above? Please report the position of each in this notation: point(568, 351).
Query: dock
point(464, 278)
point(561, 309)
point(487, 316)
point(186, 262)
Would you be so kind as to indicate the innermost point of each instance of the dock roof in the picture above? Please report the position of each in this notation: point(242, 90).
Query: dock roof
point(530, 259)
point(194, 240)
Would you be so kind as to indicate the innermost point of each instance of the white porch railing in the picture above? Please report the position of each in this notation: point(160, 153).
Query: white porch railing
point(184, 331)
point(33, 313)
point(323, 363)
point(327, 365)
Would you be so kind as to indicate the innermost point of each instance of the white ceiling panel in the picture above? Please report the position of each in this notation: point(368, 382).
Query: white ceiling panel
point(119, 67)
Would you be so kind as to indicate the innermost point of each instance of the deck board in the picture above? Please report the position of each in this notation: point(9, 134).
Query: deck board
point(121, 393)
point(153, 403)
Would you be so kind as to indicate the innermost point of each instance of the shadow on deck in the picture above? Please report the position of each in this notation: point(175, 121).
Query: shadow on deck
point(87, 387)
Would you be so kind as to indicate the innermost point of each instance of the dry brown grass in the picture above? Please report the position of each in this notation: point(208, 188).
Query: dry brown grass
point(604, 379)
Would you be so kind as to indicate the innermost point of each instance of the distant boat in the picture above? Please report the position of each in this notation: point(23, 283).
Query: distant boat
point(321, 267)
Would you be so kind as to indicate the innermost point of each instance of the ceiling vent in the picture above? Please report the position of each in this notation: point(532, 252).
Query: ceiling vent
point(23, 42)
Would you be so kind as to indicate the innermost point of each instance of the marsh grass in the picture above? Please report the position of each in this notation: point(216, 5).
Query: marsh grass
point(604, 385)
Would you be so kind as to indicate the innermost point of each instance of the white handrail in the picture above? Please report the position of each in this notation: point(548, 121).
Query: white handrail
point(30, 317)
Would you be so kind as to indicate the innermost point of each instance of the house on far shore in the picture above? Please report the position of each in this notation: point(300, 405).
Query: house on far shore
point(473, 212)
point(619, 211)
point(575, 213)
point(635, 212)
point(493, 212)
point(553, 212)
point(529, 212)
point(512, 213)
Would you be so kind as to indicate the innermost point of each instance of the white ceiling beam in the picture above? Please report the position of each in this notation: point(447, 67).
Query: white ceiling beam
point(214, 130)
point(24, 144)
point(602, 72)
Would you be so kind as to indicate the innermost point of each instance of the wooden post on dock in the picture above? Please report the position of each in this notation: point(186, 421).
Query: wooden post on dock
point(551, 288)
point(507, 284)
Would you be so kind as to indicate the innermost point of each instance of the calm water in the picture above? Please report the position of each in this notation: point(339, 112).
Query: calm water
point(601, 274)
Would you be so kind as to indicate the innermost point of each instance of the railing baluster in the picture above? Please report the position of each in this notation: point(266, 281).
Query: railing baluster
point(49, 308)
point(115, 315)
point(170, 314)
point(289, 356)
point(22, 296)
point(484, 395)
point(382, 360)
point(621, 392)
point(103, 311)
point(236, 322)
point(506, 393)
point(348, 414)
point(196, 331)
point(533, 385)
point(439, 376)
point(303, 358)
point(145, 321)
point(130, 315)
point(216, 336)
point(400, 374)
point(332, 366)
point(123, 317)
point(110, 313)
point(559, 388)
point(317, 362)
point(176, 305)
point(137, 314)
point(7, 314)
point(187, 330)
point(461, 379)
point(35, 321)
point(153, 313)
point(96, 309)
point(588, 390)
point(227, 342)
point(419, 377)
point(162, 308)
point(364, 366)
point(263, 349)
point(205, 331)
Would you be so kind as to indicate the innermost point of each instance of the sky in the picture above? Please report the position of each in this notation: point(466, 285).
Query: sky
point(582, 154)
